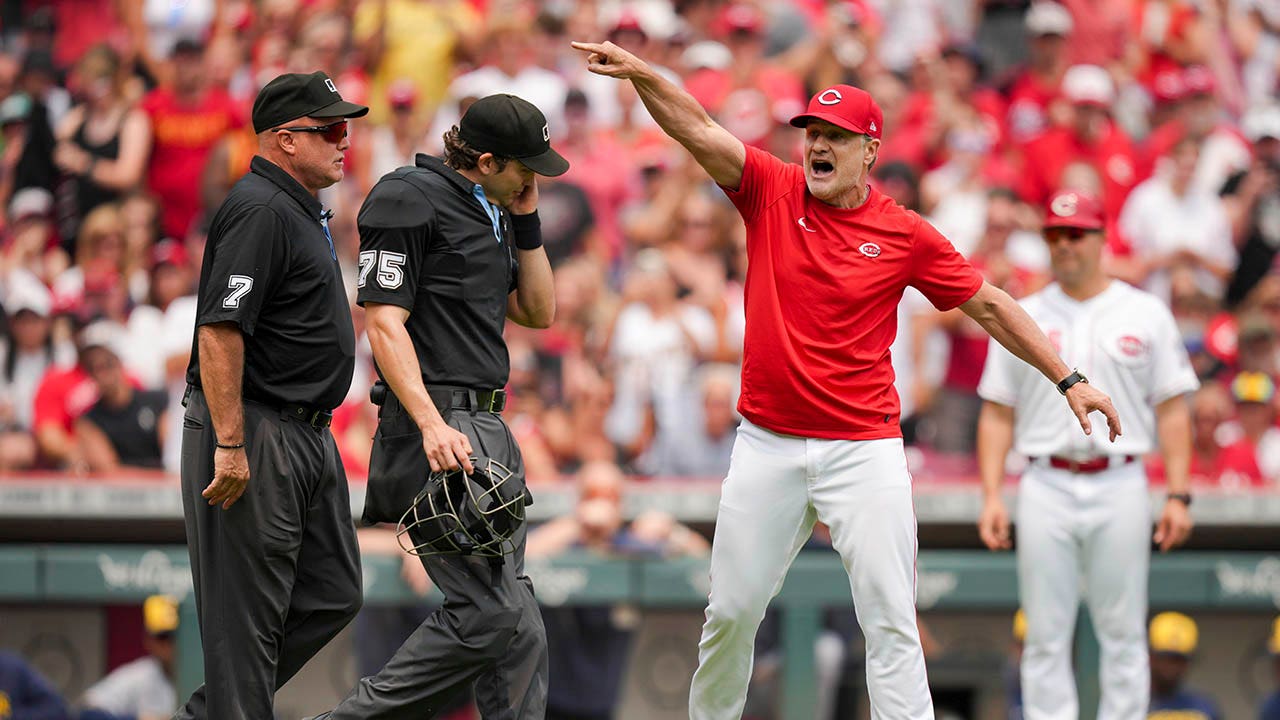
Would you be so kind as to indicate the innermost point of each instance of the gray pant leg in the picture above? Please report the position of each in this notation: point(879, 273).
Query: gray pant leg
point(516, 687)
point(489, 631)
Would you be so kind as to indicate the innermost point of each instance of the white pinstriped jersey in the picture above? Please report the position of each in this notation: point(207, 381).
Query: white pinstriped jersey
point(1124, 340)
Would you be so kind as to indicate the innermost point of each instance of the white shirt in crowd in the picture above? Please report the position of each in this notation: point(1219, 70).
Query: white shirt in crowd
point(1158, 223)
point(654, 363)
point(139, 688)
point(1124, 340)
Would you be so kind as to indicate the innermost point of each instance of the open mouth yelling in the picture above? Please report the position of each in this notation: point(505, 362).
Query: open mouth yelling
point(821, 169)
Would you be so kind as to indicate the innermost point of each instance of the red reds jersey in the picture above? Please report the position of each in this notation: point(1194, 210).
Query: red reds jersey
point(823, 286)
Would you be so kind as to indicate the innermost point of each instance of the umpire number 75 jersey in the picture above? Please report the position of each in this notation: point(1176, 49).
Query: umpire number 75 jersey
point(429, 246)
point(1124, 340)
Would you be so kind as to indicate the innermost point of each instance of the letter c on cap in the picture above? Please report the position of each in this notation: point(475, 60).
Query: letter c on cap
point(834, 100)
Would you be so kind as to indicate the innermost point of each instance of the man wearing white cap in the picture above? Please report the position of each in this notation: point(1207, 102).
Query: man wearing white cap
point(830, 257)
point(1091, 137)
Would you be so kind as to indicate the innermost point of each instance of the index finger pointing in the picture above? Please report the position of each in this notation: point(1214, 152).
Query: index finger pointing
point(586, 47)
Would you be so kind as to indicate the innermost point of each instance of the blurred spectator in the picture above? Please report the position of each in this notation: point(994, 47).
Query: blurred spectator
point(418, 40)
point(702, 443)
point(747, 95)
point(159, 27)
point(105, 278)
point(1090, 136)
point(162, 324)
point(1179, 234)
point(125, 427)
point(509, 66)
point(27, 352)
point(1251, 444)
point(394, 144)
point(1270, 708)
point(103, 142)
point(1200, 115)
point(188, 117)
point(1170, 34)
point(1174, 637)
point(143, 689)
point(1251, 198)
point(1034, 89)
point(29, 242)
point(25, 693)
point(1210, 408)
point(654, 343)
point(27, 158)
point(588, 646)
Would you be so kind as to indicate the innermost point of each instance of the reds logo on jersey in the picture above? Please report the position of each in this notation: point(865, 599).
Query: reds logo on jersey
point(869, 249)
point(1131, 346)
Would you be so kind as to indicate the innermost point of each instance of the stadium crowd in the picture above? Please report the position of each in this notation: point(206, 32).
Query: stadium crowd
point(123, 124)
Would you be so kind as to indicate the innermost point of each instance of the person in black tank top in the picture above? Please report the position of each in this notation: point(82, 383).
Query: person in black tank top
point(102, 143)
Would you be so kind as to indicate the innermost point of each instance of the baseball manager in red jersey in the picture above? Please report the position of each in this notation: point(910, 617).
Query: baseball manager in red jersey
point(828, 260)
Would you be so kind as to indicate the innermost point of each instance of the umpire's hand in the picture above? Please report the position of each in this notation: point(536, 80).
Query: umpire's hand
point(230, 476)
point(446, 448)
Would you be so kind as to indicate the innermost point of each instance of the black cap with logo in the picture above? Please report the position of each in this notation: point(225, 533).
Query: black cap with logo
point(296, 95)
point(511, 127)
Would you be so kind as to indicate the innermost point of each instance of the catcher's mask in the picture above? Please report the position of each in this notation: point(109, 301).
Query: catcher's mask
point(461, 514)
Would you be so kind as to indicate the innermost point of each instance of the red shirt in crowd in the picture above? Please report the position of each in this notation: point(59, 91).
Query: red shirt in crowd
point(64, 395)
point(822, 291)
point(1112, 157)
point(1029, 99)
point(919, 112)
point(184, 135)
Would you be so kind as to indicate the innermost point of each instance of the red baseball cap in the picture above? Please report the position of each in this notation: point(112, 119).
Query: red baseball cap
point(1074, 209)
point(847, 107)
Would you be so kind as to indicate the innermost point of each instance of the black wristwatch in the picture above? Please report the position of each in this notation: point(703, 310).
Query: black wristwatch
point(1075, 377)
point(1184, 498)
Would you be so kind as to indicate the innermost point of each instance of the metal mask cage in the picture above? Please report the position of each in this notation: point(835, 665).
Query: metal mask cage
point(457, 514)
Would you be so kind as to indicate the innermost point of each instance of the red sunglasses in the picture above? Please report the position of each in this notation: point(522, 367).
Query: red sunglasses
point(332, 133)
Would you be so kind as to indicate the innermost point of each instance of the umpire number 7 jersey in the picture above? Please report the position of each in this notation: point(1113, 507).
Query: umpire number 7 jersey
point(429, 246)
point(1124, 340)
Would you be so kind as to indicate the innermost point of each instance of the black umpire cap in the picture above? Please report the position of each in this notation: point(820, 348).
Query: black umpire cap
point(511, 127)
point(296, 95)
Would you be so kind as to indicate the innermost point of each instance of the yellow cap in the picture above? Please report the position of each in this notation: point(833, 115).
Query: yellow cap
point(1253, 387)
point(1273, 643)
point(160, 614)
point(1172, 632)
point(1020, 625)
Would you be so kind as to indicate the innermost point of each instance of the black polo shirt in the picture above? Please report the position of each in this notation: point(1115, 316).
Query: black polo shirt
point(270, 268)
point(428, 245)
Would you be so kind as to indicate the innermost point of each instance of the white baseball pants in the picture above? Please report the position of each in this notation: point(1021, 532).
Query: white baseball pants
point(777, 486)
point(1090, 534)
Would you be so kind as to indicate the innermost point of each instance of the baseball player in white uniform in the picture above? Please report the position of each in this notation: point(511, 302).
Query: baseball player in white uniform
point(829, 257)
point(1084, 513)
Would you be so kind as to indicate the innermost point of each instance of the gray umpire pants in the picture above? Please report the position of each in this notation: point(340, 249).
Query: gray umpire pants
point(278, 574)
point(489, 631)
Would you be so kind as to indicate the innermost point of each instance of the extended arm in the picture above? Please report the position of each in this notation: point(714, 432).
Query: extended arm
point(1010, 326)
point(677, 112)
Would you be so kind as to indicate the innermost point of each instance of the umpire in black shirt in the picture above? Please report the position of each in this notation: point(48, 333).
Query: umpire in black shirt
point(448, 251)
point(273, 549)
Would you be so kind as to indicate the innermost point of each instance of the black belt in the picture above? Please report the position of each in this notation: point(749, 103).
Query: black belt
point(318, 419)
point(448, 397)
